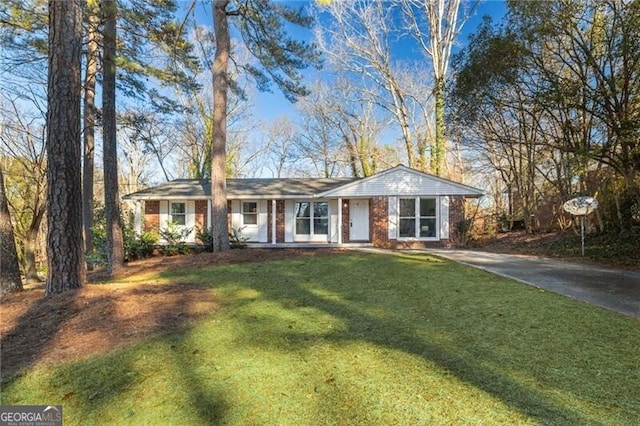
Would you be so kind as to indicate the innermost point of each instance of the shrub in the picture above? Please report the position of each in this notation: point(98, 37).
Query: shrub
point(463, 231)
point(140, 247)
point(236, 240)
point(175, 239)
point(205, 236)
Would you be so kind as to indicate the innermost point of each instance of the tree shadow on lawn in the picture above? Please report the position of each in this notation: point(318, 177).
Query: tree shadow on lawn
point(110, 386)
point(92, 389)
point(471, 356)
point(91, 320)
point(35, 330)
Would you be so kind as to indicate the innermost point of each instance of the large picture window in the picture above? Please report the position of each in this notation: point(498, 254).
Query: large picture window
point(249, 213)
point(179, 213)
point(417, 218)
point(312, 218)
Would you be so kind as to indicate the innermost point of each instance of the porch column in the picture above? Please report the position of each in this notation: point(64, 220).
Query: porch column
point(209, 224)
point(339, 220)
point(273, 221)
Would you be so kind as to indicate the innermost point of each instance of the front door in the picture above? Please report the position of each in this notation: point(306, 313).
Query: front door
point(359, 220)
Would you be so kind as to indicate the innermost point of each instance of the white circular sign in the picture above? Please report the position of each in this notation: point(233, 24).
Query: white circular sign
point(581, 206)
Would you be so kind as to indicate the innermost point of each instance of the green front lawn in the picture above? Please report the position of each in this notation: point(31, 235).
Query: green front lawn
point(360, 338)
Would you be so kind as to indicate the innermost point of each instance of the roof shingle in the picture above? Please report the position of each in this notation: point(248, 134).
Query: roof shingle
point(241, 188)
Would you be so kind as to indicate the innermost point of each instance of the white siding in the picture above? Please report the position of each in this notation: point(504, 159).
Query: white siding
point(164, 214)
point(137, 219)
point(236, 217)
point(254, 233)
point(444, 218)
point(393, 218)
point(401, 182)
point(288, 221)
point(190, 220)
point(262, 221)
point(333, 221)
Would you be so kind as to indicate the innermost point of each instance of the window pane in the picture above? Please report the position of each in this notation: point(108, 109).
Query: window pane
point(408, 228)
point(427, 207)
point(249, 219)
point(303, 210)
point(177, 208)
point(320, 209)
point(407, 207)
point(249, 213)
point(178, 213)
point(428, 228)
point(303, 226)
point(320, 226)
point(249, 207)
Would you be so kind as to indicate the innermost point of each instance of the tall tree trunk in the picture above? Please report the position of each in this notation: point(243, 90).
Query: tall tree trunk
point(220, 229)
point(9, 270)
point(438, 149)
point(444, 27)
point(114, 240)
point(65, 254)
point(89, 129)
point(30, 244)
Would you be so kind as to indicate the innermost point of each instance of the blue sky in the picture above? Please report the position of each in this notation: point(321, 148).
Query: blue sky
point(269, 106)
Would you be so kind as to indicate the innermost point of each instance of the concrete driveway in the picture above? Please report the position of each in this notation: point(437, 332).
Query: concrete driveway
point(612, 289)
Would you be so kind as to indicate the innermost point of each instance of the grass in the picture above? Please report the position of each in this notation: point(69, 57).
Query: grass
point(360, 339)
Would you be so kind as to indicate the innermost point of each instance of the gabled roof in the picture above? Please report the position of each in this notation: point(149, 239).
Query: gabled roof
point(240, 188)
point(397, 181)
point(402, 180)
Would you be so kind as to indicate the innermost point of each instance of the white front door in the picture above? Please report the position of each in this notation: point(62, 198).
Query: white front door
point(359, 220)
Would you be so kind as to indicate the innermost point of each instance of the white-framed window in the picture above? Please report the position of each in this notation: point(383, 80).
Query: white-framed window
point(312, 218)
point(249, 213)
point(178, 213)
point(417, 218)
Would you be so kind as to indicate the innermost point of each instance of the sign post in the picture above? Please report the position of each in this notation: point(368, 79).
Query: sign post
point(581, 207)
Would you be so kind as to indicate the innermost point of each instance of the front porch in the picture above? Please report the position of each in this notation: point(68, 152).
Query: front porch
point(308, 245)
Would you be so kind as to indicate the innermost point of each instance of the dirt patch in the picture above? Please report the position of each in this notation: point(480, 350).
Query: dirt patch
point(516, 242)
point(97, 318)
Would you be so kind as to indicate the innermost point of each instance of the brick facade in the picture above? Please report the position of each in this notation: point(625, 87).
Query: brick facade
point(201, 219)
point(345, 221)
point(151, 216)
point(280, 221)
point(378, 221)
point(456, 215)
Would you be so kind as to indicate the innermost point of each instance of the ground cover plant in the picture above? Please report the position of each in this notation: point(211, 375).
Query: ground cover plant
point(349, 338)
point(611, 249)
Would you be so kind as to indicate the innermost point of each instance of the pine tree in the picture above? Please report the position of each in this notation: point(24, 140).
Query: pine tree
point(261, 25)
point(66, 267)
